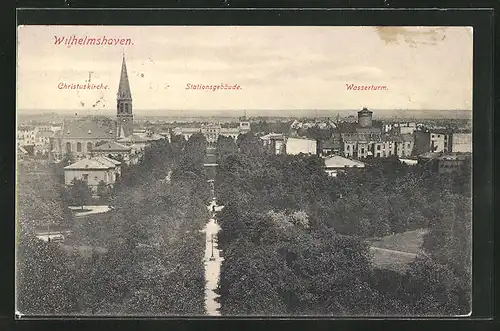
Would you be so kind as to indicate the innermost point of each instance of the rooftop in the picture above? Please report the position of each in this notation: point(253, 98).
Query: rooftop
point(337, 161)
point(133, 138)
point(365, 110)
point(111, 146)
point(97, 163)
point(87, 127)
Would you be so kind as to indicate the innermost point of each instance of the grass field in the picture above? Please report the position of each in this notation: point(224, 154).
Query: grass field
point(395, 252)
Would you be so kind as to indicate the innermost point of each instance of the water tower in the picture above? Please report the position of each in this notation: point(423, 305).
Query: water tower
point(365, 118)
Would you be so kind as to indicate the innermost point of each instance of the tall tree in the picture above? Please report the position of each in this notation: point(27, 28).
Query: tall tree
point(81, 193)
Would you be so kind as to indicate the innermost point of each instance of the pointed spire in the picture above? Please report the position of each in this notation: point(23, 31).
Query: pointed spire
point(124, 87)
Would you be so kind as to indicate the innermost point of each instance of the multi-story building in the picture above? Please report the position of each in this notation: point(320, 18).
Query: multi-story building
point(274, 143)
point(26, 135)
point(295, 146)
point(364, 140)
point(453, 162)
point(445, 163)
point(213, 131)
point(78, 138)
point(461, 142)
point(440, 140)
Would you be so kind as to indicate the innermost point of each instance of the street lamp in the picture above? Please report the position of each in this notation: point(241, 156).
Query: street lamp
point(212, 258)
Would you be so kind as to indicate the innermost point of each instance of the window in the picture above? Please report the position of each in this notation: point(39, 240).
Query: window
point(126, 107)
point(68, 147)
point(409, 145)
point(439, 136)
point(432, 136)
point(378, 147)
point(348, 147)
point(89, 146)
point(362, 150)
point(121, 108)
point(85, 177)
point(78, 147)
point(378, 154)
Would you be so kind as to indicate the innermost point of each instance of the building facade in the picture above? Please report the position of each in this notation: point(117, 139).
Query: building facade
point(461, 142)
point(274, 143)
point(213, 131)
point(440, 141)
point(365, 140)
point(295, 146)
point(93, 171)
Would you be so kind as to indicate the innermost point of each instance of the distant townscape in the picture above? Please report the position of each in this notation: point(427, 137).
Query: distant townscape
point(342, 215)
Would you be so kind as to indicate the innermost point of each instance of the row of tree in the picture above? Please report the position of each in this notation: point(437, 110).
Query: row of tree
point(294, 239)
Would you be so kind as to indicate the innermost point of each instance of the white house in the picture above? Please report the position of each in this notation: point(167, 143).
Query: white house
point(335, 164)
point(93, 170)
point(296, 146)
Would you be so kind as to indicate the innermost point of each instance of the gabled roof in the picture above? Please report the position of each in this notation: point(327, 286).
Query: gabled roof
point(111, 146)
point(93, 164)
point(107, 160)
point(87, 128)
point(337, 161)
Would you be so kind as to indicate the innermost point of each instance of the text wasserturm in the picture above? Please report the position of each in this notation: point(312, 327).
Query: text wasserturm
point(91, 41)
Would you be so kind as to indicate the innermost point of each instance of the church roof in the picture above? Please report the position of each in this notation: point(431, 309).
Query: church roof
point(124, 86)
point(111, 146)
point(133, 138)
point(87, 128)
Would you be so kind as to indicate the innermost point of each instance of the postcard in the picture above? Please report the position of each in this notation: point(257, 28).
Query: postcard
point(244, 171)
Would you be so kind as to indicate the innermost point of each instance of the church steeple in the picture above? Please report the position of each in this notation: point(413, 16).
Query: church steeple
point(124, 87)
point(124, 115)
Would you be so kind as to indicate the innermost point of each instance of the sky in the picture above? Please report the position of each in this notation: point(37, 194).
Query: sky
point(276, 67)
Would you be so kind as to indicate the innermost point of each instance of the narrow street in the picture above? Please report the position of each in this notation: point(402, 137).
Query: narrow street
point(213, 262)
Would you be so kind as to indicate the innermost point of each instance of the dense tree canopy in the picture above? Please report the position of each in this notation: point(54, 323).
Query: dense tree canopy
point(286, 222)
point(137, 263)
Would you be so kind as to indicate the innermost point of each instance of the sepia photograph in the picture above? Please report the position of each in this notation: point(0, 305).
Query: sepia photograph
point(255, 171)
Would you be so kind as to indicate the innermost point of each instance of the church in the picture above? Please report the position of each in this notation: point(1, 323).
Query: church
point(80, 137)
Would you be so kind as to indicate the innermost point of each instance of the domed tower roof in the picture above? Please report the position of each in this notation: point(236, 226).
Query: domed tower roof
point(365, 111)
